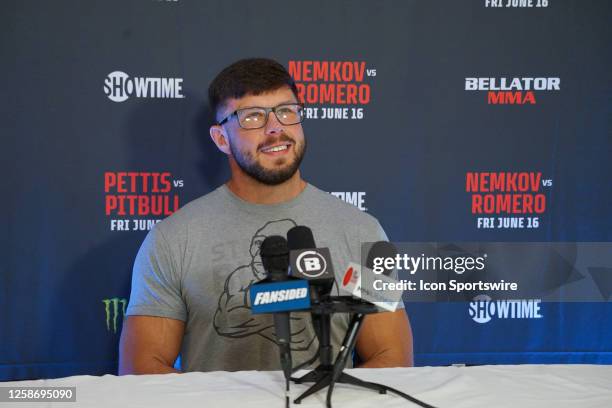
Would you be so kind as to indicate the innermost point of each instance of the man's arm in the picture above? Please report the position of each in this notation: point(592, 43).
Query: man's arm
point(149, 345)
point(385, 340)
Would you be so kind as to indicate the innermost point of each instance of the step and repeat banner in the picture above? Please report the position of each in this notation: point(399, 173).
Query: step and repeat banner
point(463, 121)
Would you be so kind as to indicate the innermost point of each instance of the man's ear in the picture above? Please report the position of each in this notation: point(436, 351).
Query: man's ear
point(219, 137)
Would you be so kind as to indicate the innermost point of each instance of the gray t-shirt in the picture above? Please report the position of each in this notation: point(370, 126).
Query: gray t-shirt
point(198, 264)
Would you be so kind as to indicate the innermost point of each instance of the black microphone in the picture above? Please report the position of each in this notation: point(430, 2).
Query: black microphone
point(309, 262)
point(381, 249)
point(315, 265)
point(300, 237)
point(274, 254)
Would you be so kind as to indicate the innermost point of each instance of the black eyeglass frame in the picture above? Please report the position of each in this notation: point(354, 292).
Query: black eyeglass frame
point(267, 110)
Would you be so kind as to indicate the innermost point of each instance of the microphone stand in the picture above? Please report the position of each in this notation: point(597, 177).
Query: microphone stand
point(327, 374)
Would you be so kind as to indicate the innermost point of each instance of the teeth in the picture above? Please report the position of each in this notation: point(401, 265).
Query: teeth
point(276, 149)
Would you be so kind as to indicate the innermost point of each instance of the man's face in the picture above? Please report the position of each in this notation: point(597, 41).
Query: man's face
point(271, 154)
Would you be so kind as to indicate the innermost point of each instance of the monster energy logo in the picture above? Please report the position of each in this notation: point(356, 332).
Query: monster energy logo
point(114, 312)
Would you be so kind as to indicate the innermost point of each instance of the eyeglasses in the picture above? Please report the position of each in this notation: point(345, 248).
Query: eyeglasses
point(256, 118)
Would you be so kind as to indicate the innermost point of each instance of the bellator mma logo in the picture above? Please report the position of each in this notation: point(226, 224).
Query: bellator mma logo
point(132, 195)
point(507, 200)
point(340, 86)
point(512, 91)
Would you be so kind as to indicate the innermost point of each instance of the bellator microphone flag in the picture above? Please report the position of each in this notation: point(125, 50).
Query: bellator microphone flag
point(359, 281)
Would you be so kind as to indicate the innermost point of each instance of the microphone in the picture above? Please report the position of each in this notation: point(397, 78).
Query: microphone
point(309, 262)
point(381, 249)
point(314, 265)
point(277, 294)
point(362, 282)
point(300, 237)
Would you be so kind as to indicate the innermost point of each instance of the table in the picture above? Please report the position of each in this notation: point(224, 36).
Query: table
point(512, 386)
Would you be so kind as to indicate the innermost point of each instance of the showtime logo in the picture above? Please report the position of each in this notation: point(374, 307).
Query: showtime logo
point(118, 87)
point(356, 198)
point(512, 91)
point(483, 309)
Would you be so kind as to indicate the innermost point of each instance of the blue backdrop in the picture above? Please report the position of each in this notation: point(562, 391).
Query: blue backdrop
point(420, 95)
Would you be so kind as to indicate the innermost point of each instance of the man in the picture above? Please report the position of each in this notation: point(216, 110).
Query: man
point(192, 275)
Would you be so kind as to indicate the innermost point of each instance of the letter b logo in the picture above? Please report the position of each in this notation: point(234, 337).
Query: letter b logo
point(312, 264)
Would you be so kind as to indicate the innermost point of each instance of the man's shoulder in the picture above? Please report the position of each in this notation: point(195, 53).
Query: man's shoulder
point(201, 209)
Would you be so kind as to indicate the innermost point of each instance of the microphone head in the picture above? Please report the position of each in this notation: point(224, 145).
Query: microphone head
point(275, 257)
point(381, 249)
point(274, 245)
point(300, 237)
point(319, 271)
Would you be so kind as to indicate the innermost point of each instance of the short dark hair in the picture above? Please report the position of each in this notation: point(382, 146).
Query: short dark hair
point(250, 76)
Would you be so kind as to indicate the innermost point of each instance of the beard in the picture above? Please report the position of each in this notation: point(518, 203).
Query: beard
point(270, 177)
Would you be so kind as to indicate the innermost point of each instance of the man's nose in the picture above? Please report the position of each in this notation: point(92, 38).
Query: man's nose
point(273, 126)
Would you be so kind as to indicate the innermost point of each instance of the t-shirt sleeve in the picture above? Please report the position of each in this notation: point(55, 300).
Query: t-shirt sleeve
point(383, 237)
point(156, 283)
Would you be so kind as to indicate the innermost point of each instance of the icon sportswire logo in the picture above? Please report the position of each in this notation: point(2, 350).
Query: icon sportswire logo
point(119, 86)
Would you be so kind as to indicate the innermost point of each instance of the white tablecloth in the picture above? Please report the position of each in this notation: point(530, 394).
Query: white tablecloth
point(521, 386)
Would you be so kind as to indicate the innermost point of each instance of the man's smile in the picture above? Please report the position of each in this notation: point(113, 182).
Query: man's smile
point(277, 149)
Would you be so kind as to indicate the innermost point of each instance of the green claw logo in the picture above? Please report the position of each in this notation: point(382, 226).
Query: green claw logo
point(114, 312)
